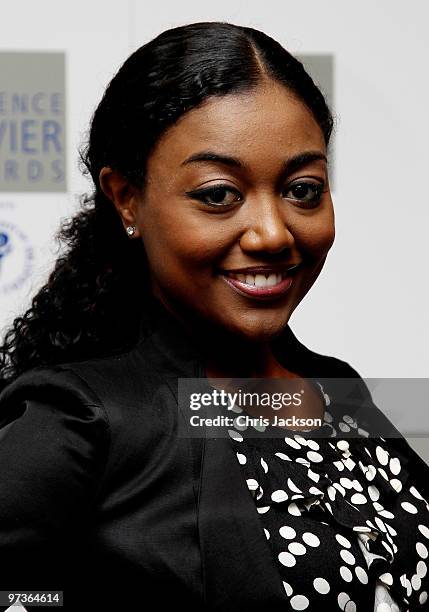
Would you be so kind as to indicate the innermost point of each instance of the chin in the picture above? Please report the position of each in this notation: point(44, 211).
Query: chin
point(258, 328)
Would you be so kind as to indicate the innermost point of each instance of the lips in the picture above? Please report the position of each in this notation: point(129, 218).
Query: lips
point(260, 282)
point(265, 270)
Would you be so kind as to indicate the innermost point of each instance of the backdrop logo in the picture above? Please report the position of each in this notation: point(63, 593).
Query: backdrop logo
point(16, 258)
point(32, 122)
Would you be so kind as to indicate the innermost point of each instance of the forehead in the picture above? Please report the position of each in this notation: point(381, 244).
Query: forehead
point(265, 123)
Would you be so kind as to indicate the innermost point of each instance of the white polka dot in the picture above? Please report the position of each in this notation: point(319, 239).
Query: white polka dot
point(423, 597)
point(313, 445)
point(295, 548)
point(382, 455)
point(357, 485)
point(235, 435)
point(252, 484)
point(313, 475)
point(348, 419)
point(321, 586)
point(395, 466)
point(267, 533)
point(361, 574)
point(238, 426)
point(361, 529)
point(416, 582)
point(293, 443)
point(387, 578)
point(383, 473)
point(287, 532)
point(313, 456)
point(262, 509)
point(339, 465)
point(349, 463)
point(287, 588)
point(358, 498)
point(264, 465)
point(422, 551)
point(310, 539)
point(409, 507)
point(342, 599)
point(386, 514)
point(391, 530)
point(299, 602)
point(416, 494)
point(380, 524)
point(331, 492)
point(347, 557)
point(373, 492)
point(388, 548)
point(241, 458)
point(293, 509)
point(370, 473)
point(292, 486)
point(424, 531)
point(339, 488)
point(342, 541)
point(315, 491)
point(343, 445)
point(287, 559)
point(346, 482)
point(346, 573)
point(396, 484)
point(300, 440)
point(377, 506)
point(279, 496)
point(363, 432)
point(421, 569)
point(283, 456)
point(344, 427)
point(303, 461)
point(350, 606)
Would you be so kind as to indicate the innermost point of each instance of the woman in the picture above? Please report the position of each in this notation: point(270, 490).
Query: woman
point(211, 220)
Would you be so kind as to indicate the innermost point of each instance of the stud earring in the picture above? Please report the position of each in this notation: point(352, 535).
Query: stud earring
point(131, 229)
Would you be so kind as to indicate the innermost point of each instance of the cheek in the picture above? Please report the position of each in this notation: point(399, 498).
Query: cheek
point(317, 236)
point(180, 244)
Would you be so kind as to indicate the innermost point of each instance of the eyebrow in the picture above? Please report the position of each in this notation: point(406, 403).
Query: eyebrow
point(289, 166)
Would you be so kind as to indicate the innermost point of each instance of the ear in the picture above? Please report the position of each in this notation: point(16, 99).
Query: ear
point(122, 194)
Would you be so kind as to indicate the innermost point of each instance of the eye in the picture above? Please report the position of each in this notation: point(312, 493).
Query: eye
point(307, 193)
point(217, 196)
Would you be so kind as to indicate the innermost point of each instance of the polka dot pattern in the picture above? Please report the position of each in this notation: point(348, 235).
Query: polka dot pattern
point(350, 502)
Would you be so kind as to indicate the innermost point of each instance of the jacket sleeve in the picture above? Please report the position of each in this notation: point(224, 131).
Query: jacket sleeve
point(54, 439)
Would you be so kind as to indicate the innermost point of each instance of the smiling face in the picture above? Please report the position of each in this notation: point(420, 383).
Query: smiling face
point(237, 191)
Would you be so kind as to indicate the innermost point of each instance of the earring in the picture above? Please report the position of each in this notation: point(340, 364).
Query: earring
point(131, 230)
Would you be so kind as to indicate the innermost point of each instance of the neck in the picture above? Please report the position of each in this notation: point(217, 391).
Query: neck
point(227, 355)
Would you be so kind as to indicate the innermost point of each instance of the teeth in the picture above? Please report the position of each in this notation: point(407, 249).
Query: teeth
point(260, 280)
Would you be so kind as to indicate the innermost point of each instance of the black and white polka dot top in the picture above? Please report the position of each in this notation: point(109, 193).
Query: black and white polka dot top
point(347, 525)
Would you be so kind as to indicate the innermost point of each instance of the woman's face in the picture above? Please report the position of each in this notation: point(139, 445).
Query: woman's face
point(237, 184)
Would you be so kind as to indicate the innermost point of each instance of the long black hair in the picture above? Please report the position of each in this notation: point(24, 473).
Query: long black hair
point(94, 298)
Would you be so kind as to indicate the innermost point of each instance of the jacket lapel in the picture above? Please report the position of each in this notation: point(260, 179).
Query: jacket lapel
point(238, 566)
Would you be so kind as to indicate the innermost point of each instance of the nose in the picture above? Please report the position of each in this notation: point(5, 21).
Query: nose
point(266, 228)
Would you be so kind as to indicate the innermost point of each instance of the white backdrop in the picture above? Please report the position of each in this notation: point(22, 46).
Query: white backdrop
point(370, 304)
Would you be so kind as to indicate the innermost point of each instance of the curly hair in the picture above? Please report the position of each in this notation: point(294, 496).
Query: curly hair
point(102, 279)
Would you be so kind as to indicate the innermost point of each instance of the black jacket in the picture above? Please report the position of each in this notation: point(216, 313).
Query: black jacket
point(100, 498)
